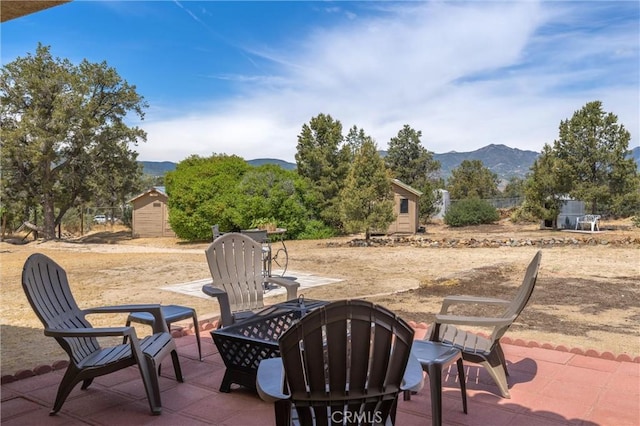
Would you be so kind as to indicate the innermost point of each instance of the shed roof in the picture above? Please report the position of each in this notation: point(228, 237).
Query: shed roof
point(159, 189)
point(406, 187)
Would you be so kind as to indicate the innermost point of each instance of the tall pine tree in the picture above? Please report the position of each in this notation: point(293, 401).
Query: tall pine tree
point(367, 200)
point(414, 165)
point(324, 161)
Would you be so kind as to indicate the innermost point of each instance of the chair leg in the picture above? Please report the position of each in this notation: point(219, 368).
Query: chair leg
point(503, 360)
point(498, 375)
point(393, 411)
point(463, 384)
point(151, 385)
point(283, 412)
point(67, 384)
point(435, 384)
point(86, 383)
point(196, 329)
point(176, 366)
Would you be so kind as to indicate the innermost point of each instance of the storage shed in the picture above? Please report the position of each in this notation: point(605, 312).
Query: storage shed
point(405, 207)
point(569, 211)
point(151, 214)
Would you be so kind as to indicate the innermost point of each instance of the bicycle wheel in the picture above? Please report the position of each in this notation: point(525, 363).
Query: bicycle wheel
point(280, 258)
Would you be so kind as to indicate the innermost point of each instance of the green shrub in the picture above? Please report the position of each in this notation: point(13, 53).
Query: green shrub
point(636, 221)
point(316, 230)
point(522, 215)
point(127, 215)
point(71, 222)
point(471, 211)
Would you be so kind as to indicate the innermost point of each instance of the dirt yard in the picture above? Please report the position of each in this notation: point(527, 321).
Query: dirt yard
point(587, 295)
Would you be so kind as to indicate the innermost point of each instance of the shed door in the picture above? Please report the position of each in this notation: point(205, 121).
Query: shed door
point(404, 216)
point(149, 218)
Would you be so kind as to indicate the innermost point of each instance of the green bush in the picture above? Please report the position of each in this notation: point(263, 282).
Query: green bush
point(316, 230)
point(471, 211)
point(522, 215)
point(71, 221)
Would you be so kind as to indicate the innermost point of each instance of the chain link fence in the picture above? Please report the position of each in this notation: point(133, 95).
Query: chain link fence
point(501, 203)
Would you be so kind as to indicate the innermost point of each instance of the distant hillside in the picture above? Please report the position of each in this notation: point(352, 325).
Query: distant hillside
point(504, 161)
point(159, 168)
point(284, 164)
point(500, 159)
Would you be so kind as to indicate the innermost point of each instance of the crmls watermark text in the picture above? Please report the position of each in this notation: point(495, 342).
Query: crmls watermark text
point(368, 418)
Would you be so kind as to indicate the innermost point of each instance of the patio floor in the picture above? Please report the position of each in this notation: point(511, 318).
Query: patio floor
point(548, 387)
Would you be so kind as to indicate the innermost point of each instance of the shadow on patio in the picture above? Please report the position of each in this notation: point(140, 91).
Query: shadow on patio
point(548, 387)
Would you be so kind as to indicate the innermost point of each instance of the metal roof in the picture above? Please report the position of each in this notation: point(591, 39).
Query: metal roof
point(160, 189)
point(406, 187)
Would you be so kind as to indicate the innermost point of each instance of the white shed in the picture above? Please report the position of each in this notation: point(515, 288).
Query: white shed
point(569, 212)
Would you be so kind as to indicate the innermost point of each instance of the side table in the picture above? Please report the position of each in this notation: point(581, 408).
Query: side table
point(434, 356)
point(171, 313)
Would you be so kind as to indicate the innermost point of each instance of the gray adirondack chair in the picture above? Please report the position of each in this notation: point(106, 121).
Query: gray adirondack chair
point(347, 360)
point(476, 348)
point(235, 261)
point(46, 286)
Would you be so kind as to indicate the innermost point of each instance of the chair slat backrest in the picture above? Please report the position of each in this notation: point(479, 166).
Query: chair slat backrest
point(46, 286)
point(523, 295)
point(346, 357)
point(235, 263)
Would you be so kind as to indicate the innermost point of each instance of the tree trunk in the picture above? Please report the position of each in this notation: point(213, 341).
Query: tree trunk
point(49, 217)
point(4, 225)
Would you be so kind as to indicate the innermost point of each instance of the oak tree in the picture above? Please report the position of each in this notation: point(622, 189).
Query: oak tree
point(204, 191)
point(60, 124)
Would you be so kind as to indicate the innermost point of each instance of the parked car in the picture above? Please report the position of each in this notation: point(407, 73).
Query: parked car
point(100, 218)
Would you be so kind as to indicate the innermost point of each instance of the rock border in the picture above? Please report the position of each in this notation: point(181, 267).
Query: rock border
point(420, 241)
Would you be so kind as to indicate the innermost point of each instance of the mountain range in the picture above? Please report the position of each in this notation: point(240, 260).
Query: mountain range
point(502, 160)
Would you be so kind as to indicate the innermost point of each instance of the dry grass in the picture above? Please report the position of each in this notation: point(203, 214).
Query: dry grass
point(587, 296)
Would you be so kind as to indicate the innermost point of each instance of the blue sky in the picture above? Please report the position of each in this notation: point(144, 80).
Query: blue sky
point(243, 77)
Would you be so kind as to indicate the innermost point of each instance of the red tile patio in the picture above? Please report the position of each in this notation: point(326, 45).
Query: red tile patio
point(548, 387)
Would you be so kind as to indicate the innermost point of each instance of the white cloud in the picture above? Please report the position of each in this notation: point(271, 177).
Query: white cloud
point(466, 74)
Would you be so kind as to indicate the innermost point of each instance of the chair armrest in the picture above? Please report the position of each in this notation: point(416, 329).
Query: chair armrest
point(270, 380)
point(413, 378)
point(159, 323)
point(474, 321)
point(91, 332)
point(226, 317)
point(470, 300)
point(290, 285)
